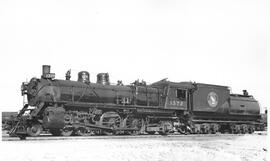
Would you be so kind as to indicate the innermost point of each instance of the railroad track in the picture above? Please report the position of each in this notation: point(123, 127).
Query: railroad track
point(184, 137)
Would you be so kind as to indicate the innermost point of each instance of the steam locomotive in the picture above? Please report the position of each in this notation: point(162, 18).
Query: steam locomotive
point(66, 107)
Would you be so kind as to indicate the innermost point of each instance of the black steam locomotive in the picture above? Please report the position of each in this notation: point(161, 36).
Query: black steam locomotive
point(66, 107)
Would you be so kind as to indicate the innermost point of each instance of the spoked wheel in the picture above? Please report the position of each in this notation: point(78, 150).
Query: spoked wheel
point(206, 128)
point(111, 120)
point(197, 128)
point(235, 129)
point(133, 123)
point(251, 129)
point(206, 131)
point(244, 128)
point(34, 130)
point(215, 128)
point(67, 131)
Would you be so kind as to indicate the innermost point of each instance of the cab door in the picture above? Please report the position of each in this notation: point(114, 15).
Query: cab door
point(177, 98)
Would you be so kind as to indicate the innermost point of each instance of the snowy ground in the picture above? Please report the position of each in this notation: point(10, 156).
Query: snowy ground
point(230, 148)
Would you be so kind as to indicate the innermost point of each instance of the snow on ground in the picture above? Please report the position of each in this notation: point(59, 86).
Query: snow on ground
point(233, 148)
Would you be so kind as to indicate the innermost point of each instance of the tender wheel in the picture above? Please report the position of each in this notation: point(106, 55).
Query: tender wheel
point(197, 128)
point(207, 131)
point(214, 128)
point(244, 128)
point(235, 129)
point(34, 130)
point(251, 129)
point(206, 128)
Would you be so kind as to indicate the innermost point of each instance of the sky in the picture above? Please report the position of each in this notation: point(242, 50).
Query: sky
point(215, 42)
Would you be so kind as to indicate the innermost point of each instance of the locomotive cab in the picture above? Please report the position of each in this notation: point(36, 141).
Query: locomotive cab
point(177, 98)
point(175, 95)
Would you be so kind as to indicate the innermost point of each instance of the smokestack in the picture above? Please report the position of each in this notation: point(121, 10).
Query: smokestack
point(46, 69)
point(46, 72)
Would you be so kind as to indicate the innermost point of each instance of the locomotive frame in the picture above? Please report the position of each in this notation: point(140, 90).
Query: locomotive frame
point(65, 107)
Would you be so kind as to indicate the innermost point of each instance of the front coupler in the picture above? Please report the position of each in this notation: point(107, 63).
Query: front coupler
point(20, 126)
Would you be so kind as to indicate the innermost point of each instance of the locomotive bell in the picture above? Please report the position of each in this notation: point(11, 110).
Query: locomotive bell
point(103, 78)
point(83, 76)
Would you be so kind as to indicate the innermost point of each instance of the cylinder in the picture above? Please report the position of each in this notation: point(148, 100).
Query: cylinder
point(46, 69)
point(103, 78)
point(83, 76)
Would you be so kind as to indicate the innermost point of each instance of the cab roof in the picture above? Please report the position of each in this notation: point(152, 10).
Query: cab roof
point(164, 82)
point(186, 85)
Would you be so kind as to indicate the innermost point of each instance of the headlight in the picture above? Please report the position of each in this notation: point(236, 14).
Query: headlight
point(24, 88)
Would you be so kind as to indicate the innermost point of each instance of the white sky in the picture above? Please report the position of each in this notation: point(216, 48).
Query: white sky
point(210, 41)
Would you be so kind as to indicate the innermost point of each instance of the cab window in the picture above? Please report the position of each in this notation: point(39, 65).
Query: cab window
point(181, 94)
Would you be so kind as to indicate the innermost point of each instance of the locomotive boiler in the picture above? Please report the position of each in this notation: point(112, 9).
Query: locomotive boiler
point(67, 107)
